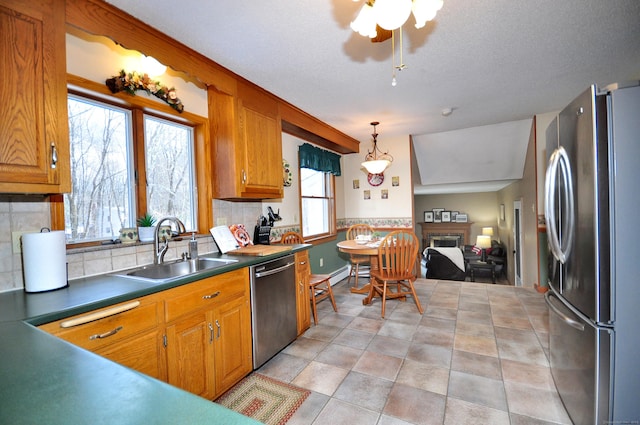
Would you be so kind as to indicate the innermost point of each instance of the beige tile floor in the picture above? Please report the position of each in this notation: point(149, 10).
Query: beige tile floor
point(476, 356)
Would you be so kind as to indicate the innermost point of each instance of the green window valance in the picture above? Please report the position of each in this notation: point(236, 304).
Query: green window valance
point(319, 159)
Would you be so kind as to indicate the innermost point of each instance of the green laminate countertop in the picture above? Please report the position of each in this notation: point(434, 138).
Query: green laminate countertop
point(45, 380)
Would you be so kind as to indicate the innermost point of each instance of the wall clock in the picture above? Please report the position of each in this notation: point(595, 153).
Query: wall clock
point(375, 179)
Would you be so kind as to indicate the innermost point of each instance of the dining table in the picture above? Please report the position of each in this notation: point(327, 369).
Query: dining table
point(351, 246)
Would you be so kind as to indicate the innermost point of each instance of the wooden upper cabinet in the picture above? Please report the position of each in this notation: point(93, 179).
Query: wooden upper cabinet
point(34, 135)
point(247, 138)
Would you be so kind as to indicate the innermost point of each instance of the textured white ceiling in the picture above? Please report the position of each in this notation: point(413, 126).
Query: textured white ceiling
point(493, 61)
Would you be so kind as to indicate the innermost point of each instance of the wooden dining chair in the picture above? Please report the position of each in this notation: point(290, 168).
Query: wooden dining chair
point(291, 238)
point(395, 273)
point(358, 261)
point(319, 284)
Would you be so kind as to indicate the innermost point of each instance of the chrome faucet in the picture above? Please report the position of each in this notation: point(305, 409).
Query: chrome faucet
point(158, 257)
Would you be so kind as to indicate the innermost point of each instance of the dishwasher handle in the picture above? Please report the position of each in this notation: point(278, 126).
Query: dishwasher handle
point(274, 271)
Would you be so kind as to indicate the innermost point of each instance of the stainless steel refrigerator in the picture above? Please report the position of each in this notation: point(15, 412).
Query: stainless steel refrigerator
point(592, 208)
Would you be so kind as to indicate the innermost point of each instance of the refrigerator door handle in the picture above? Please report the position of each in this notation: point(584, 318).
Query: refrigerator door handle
point(568, 320)
point(559, 248)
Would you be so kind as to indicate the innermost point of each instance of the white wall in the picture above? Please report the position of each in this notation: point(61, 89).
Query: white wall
point(399, 201)
point(542, 122)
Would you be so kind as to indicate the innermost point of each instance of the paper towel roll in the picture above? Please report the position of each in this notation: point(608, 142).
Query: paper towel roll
point(44, 261)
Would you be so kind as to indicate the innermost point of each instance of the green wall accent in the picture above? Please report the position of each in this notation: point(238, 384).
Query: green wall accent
point(332, 259)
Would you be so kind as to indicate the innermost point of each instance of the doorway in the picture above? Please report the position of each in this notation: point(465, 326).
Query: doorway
point(517, 242)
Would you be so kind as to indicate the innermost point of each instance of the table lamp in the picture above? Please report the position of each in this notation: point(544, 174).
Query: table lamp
point(487, 231)
point(483, 242)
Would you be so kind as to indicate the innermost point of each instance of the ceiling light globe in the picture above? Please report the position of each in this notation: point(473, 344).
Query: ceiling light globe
point(376, 166)
point(391, 14)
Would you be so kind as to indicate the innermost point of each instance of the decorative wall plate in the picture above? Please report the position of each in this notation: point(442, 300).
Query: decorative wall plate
point(375, 179)
point(286, 170)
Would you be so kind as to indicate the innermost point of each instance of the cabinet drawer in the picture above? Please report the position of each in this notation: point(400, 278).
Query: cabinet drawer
point(106, 326)
point(206, 293)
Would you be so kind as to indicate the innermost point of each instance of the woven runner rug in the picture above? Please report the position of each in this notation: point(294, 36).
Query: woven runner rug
point(264, 399)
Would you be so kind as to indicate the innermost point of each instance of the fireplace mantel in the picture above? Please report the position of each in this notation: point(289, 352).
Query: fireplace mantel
point(430, 230)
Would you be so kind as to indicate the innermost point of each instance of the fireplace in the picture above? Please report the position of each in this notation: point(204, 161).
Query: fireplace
point(445, 234)
point(449, 241)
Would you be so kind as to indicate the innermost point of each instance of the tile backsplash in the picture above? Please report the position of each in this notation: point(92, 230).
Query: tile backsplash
point(26, 213)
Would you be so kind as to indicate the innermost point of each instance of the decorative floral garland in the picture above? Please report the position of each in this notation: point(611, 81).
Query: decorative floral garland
point(134, 81)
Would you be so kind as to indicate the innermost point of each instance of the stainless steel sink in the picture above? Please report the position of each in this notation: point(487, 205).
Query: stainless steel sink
point(168, 271)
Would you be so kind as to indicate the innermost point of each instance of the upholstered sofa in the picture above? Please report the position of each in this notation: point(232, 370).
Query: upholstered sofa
point(444, 263)
point(496, 254)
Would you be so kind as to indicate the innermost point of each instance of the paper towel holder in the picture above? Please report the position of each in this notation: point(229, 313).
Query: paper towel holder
point(43, 273)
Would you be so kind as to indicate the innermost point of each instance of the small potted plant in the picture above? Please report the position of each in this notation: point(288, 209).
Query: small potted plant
point(146, 228)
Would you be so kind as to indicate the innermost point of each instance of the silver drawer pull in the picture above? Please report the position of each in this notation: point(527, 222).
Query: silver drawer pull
point(99, 315)
point(106, 334)
point(208, 297)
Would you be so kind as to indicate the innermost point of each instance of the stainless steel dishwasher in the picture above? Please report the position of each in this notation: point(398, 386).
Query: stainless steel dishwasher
point(273, 307)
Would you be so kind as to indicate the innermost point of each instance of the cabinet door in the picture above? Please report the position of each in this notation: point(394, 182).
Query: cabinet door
point(143, 353)
point(34, 137)
point(190, 354)
point(233, 355)
point(303, 309)
point(262, 168)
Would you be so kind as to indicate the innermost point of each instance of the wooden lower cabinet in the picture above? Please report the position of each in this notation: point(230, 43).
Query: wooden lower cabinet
point(190, 354)
point(143, 353)
point(209, 345)
point(303, 310)
point(196, 336)
point(233, 350)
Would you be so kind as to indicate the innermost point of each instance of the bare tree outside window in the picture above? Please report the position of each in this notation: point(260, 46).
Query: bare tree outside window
point(169, 164)
point(100, 202)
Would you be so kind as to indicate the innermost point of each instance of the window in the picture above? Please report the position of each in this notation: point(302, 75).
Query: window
point(105, 170)
point(317, 203)
point(170, 178)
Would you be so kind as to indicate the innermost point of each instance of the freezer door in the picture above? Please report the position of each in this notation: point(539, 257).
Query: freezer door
point(583, 138)
point(580, 360)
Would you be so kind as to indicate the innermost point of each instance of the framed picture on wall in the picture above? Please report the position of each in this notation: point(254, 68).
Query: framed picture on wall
point(453, 215)
point(428, 216)
point(446, 216)
point(461, 218)
point(437, 215)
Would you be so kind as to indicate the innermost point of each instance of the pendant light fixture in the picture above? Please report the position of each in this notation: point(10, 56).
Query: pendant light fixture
point(374, 163)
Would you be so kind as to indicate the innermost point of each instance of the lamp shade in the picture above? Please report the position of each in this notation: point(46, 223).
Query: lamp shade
point(376, 166)
point(483, 241)
point(488, 231)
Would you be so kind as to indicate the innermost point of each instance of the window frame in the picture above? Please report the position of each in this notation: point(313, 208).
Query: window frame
point(330, 183)
point(140, 106)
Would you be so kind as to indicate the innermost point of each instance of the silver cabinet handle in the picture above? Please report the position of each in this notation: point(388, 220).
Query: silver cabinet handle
point(208, 297)
point(210, 334)
point(106, 334)
point(218, 325)
point(244, 177)
point(54, 155)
